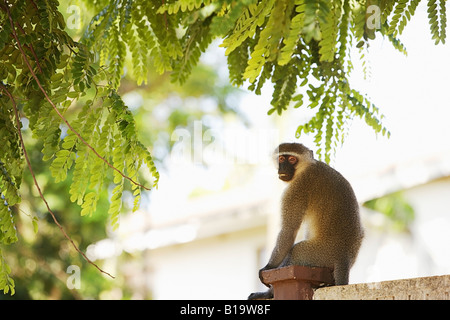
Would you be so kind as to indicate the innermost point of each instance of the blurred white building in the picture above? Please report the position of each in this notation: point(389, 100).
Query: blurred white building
point(213, 246)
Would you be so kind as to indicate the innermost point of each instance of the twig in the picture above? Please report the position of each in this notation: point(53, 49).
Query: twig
point(56, 109)
point(16, 114)
point(165, 16)
point(35, 5)
point(31, 49)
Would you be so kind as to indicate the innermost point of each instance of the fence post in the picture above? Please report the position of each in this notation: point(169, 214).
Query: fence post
point(297, 282)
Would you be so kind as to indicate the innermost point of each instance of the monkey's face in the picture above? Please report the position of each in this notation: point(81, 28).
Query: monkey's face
point(286, 167)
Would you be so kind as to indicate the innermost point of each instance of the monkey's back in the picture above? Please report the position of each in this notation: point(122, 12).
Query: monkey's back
point(330, 205)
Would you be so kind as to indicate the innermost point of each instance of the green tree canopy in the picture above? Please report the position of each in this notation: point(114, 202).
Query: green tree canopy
point(67, 88)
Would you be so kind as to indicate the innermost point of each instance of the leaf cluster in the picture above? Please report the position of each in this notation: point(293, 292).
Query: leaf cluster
point(301, 46)
point(72, 106)
point(405, 9)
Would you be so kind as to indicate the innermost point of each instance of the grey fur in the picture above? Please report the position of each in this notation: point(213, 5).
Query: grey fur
point(321, 196)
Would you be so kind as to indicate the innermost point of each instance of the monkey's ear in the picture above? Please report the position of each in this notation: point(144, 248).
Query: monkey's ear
point(312, 154)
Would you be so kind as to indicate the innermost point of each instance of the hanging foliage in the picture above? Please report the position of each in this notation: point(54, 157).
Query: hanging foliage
point(43, 72)
point(302, 47)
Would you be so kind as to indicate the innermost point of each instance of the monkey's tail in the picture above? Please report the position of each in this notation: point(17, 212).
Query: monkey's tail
point(341, 272)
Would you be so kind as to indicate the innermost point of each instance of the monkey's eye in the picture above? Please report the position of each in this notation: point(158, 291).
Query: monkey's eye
point(281, 159)
point(292, 160)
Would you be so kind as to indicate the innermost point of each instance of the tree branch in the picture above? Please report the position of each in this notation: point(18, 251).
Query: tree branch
point(16, 115)
point(56, 109)
point(19, 131)
point(31, 49)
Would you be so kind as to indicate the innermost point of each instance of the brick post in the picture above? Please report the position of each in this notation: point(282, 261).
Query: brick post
point(297, 282)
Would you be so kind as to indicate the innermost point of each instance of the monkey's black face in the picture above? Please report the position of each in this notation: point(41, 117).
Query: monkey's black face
point(286, 167)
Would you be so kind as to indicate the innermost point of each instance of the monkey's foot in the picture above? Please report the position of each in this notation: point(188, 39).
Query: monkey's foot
point(261, 295)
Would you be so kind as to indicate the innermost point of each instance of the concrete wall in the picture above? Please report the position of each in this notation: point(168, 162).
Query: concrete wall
point(426, 288)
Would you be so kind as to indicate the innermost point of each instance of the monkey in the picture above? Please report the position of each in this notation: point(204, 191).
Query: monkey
point(320, 196)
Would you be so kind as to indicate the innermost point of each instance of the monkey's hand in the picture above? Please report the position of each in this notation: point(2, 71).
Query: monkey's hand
point(261, 295)
point(267, 267)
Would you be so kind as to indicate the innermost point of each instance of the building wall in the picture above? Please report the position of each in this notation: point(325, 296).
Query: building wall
point(431, 227)
point(226, 266)
point(221, 267)
point(390, 255)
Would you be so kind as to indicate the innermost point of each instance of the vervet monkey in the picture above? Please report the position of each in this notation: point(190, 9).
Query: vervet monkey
point(320, 196)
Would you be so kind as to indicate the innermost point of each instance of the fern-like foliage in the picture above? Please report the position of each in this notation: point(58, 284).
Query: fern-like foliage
point(44, 73)
point(285, 42)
